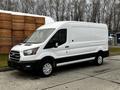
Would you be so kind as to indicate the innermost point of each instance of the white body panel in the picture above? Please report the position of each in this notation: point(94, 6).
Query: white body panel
point(87, 39)
point(82, 38)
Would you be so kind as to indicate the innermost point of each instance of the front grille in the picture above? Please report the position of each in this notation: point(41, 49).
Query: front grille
point(15, 55)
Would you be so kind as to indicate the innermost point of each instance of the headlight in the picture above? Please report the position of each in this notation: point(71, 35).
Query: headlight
point(30, 51)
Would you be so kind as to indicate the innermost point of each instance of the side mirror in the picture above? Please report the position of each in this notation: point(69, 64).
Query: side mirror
point(56, 45)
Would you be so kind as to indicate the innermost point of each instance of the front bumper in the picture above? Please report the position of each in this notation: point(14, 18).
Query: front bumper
point(23, 65)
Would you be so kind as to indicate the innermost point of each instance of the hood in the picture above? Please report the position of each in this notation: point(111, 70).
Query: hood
point(25, 46)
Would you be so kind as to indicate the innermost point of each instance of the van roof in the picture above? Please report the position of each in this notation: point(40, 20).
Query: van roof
point(73, 23)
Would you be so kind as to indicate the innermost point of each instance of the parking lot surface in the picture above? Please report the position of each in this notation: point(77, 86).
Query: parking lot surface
point(83, 76)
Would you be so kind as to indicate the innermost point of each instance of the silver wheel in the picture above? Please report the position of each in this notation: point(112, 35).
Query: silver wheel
point(47, 69)
point(100, 60)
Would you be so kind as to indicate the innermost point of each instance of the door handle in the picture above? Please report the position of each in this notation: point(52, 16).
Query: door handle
point(66, 46)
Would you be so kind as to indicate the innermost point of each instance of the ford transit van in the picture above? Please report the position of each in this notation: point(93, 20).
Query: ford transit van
point(61, 43)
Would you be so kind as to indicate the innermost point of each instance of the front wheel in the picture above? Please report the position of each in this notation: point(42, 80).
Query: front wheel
point(99, 60)
point(46, 69)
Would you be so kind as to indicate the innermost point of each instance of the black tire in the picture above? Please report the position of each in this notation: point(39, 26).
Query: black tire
point(99, 59)
point(46, 68)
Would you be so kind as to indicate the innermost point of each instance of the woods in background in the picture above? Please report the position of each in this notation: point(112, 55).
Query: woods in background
point(101, 11)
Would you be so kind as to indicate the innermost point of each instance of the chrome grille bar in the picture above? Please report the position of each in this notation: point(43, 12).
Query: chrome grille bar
point(15, 55)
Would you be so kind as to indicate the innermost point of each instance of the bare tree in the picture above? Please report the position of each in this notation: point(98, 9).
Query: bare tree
point(27, 6)
point(95, 11)
point(101, 11)
point(5, 4)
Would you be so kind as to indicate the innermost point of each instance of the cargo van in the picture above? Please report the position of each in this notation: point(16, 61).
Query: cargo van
point(61, 43)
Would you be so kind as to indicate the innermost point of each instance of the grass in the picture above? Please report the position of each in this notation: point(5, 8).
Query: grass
point(4, 57)
point(114, 51)
point(3, 60)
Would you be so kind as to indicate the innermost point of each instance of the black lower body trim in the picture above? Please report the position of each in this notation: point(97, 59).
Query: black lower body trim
point(106, 53)
point(27, 65)
point(35, 64)
point(77, 57)
point(73, 58)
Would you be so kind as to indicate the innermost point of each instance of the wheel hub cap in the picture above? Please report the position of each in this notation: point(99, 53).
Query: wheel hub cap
point(47, 68)
point(100, 59)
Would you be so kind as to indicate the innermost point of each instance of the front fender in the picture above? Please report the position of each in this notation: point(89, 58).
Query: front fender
point(45, 54)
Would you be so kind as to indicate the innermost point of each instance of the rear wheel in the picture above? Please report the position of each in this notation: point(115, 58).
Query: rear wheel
point(99, 60)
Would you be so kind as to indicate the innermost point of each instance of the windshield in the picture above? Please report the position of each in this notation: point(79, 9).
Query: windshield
point(39, 36)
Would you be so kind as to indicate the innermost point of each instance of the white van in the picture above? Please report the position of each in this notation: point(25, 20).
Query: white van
point(61, 43)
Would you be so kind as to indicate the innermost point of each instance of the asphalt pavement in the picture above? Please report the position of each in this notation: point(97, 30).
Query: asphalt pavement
point(83, 76)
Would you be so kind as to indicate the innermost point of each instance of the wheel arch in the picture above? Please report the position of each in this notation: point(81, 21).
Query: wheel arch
point(49, 58)
point(101, 52)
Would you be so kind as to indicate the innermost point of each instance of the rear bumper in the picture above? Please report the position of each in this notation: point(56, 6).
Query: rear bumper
point(106, 54)
point(23, 65)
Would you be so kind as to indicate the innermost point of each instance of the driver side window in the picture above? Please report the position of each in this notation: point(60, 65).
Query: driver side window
point(59, 37)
